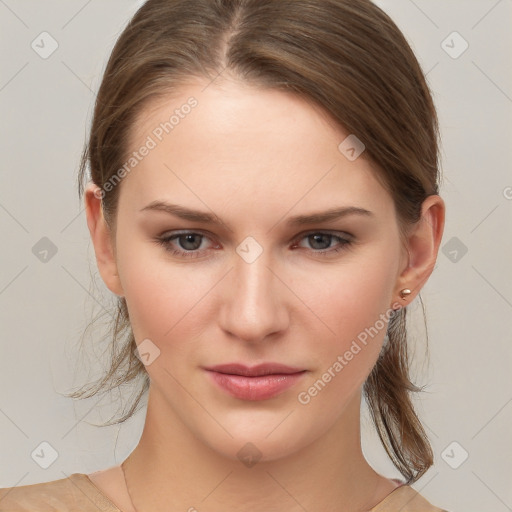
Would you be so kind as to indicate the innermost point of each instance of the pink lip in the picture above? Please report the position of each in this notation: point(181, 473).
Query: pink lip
point(255, 383)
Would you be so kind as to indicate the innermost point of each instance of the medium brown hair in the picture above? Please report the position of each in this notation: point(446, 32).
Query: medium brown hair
point(346, 57)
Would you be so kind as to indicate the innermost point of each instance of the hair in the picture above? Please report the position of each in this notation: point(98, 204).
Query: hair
point(346, 57)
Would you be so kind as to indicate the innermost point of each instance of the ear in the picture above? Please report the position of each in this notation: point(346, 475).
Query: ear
point(422, 246)
point(101, 237)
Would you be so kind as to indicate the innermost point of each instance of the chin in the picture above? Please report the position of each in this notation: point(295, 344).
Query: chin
point(257, 439)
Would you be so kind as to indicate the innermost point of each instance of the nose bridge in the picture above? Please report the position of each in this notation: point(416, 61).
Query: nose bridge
point(253, 308)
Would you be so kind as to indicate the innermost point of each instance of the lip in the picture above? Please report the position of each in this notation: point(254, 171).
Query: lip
point(254, 371)
point(259, 382)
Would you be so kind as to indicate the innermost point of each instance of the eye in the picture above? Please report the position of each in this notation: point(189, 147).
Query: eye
point(321, 242)
point(188, 243)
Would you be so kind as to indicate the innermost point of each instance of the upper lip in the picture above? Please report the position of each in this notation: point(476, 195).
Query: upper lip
point(254, 371)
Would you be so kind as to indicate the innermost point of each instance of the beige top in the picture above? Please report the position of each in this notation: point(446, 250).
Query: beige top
point(78, 492)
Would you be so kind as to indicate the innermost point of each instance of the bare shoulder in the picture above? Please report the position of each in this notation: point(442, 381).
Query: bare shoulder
point(406, 499)
point(66, 494)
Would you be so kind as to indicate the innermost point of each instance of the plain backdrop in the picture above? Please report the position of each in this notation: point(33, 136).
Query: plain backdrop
point(47, 299)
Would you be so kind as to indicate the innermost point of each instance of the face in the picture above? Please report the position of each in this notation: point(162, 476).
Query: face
point(259, 282)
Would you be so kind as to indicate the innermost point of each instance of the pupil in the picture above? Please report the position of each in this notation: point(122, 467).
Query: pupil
point(189, 239)
point(319, 237)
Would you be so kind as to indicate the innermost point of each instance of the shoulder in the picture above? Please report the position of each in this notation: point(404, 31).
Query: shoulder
point(72, 493)
point(405, 499)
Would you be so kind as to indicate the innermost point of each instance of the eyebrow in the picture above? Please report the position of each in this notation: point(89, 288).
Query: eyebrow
point(299, 220)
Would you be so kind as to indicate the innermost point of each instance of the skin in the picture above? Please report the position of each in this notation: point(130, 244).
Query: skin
point(254, 157)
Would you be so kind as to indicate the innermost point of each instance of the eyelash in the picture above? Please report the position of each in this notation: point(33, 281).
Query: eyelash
point(165, 242)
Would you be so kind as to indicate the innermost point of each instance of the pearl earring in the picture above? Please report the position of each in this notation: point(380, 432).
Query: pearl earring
point(404, 293)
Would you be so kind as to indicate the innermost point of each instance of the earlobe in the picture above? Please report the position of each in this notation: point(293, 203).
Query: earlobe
point(423, 246)
point(101, 239)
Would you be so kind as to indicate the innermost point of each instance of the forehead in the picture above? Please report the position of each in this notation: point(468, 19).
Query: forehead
point(231, 142)
point(232, 106)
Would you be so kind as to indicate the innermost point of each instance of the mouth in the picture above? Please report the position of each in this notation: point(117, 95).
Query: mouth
point(255, 371)
point(259, 382)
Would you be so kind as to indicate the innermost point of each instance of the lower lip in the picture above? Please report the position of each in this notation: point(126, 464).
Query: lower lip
point(255, 388)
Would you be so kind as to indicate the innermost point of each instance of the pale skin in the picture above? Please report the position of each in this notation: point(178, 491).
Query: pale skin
point(254, 158)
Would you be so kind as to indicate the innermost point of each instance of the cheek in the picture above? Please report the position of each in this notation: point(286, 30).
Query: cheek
point(351, 297)
point(353, 308)
point(162, 297)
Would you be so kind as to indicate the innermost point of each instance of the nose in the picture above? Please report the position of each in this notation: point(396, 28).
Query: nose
point(254, 300)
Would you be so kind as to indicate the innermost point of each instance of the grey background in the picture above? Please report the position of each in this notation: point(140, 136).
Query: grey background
point(47, 299)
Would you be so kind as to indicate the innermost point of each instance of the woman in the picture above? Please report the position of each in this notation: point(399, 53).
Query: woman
point(264, 202)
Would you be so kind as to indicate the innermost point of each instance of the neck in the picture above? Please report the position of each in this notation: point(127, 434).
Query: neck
point(170, 466)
